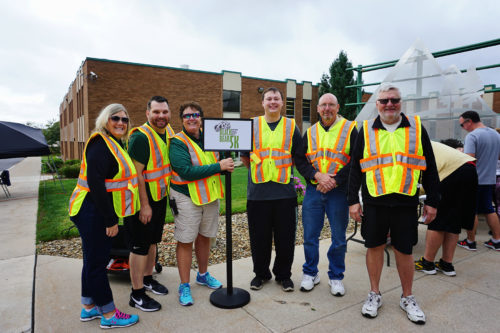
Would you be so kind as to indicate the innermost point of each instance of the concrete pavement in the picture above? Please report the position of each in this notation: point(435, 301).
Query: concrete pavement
point(467, 302)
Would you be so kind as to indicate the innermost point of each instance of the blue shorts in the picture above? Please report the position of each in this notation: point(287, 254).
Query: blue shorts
point(485, 199)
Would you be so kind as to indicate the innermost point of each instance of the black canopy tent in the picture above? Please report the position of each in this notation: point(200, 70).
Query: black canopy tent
point(18, 140)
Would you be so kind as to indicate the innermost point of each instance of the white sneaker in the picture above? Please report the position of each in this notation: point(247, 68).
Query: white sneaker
point(337, 287)
point(372, 303)
point(308, 282)
point(413, 311)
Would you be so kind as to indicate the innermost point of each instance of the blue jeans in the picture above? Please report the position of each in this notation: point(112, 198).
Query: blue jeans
point(314, 207)
point(96, 247)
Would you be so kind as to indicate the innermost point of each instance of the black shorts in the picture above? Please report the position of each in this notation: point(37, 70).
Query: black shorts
point(485, 199)
point(142, 236)
point(400, 221)
point(457, 208)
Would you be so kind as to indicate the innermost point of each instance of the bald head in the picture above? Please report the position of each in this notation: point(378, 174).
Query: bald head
point(328, 107)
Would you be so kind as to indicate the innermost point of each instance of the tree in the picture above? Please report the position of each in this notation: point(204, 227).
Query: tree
point(336, 82)
point(52, 134)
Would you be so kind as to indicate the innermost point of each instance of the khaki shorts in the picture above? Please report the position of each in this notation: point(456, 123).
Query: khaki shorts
point(193, 220)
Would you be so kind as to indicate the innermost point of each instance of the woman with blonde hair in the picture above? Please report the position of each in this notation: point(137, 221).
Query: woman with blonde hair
point(106, 190)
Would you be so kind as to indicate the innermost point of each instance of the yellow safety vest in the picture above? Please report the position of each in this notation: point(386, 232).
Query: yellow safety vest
point(157, 172)
point(393, 161)
point(170, 132)
point(271, 157)
point(123, 186)
point(205, 190)
point(328, 151)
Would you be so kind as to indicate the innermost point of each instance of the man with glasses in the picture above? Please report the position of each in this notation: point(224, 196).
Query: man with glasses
point(148, 148)
point(327, 146)
point(271, 194)
point(195, 192)
point(390, 154)
point(483, 143)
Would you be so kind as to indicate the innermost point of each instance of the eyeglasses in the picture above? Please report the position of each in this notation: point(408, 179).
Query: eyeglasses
point(117, 119)
point(191, 115)
point(327, 105)
point(386, 100)
point(465, 121)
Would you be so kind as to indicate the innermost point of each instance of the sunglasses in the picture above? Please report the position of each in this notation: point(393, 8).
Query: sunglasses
point(191, 116)
point(117, 119)
point(465, 121)
point(386, 100)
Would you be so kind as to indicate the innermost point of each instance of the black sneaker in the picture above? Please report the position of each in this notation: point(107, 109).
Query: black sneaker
point(256, 283)
point(287, 285)
point(466, 245)
point(156, 287)
point(425, 266)
point(445, 267)
point(144, 302)
point(492, 245)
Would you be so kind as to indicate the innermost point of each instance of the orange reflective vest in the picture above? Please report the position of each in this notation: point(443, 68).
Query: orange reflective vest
point(328, 151)
point(393, 161)
point(271, 157)
point(201, 191)
point(157, 172)
point(123, 186)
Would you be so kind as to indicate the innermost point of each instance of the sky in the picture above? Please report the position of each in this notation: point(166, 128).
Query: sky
point(44, 42)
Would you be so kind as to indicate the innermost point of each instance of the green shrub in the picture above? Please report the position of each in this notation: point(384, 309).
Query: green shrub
point(55, 161)
point(72, 162)
point(70, 171)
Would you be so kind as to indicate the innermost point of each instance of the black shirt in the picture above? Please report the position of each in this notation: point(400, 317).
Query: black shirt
point(429, 177)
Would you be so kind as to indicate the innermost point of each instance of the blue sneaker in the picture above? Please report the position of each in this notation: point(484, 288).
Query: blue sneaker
point(185, 294)
point(119, 319)
point(90, 315)
point(208, 280)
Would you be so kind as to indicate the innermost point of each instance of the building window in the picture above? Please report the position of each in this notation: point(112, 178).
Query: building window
point(231, 101)
point(290, 107)
point(306, 110)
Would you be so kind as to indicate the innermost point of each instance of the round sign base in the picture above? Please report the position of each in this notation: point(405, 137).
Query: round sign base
point(221, 299)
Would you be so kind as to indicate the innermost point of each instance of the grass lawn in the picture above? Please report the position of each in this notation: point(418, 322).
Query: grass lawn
point(53, 219)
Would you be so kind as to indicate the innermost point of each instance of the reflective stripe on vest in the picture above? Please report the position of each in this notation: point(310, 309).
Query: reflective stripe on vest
point(170, 132)
point(328, 151)
point(271, 158)
point(157, 172)
point(124, 185)
point(205, 190)
point(393, 161)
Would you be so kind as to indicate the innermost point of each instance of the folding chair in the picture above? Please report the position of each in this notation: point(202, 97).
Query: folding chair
point(5, 181)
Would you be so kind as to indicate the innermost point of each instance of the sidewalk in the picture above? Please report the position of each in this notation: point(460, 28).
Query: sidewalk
point(467, 302)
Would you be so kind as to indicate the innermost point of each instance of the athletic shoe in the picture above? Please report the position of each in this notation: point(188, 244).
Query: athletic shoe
point(445, 267)
point(287, 285)
point(425, 266)
point(337, 287)
point(372, 303)
point(208, 280)
point(308, 282)
point(256, 283)
point(185, 294)
point(413, 311)
point(466, 245)
point(492, 245)
point(144, 302)
point(90, 315)
point(119, 319)
point(156, 287)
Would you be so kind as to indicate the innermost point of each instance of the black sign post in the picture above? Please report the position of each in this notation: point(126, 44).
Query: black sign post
point(228, 135)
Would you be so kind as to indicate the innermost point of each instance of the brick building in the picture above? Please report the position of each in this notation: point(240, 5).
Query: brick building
point(100, 82)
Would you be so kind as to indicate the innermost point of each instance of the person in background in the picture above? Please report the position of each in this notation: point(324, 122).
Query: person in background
point(107, 189)
point(456, 210)
point(483, 143)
